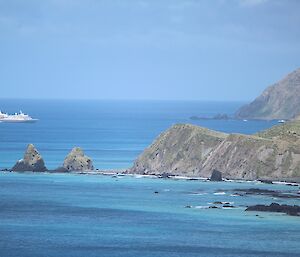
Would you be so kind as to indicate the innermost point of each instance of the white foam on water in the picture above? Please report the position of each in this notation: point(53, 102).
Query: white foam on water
point(220, 193)
point(201, 207)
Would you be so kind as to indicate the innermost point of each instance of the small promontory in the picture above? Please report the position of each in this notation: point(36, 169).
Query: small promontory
point(279, 101)
point(32, 161)
point(189, 150)
point(76, 160)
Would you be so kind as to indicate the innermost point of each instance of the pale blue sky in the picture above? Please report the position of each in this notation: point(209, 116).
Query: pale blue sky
point(146, 49)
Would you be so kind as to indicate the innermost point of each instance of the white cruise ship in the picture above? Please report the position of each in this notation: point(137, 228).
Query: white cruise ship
point(17, 117)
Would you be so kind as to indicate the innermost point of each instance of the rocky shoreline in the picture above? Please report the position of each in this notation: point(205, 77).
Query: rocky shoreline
point(192, 151)
point(76, 162)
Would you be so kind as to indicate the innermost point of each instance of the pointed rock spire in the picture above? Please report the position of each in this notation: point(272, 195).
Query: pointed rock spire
point(32, 161)
point(77, 161)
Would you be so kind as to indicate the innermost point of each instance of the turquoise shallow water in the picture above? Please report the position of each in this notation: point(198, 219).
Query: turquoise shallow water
point(83, 215)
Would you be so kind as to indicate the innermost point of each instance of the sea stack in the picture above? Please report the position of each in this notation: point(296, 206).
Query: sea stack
point(32, 161)
point(77, 161)
point(216, 176)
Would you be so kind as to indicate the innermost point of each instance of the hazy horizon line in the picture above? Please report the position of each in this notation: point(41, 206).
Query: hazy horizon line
point(122, 99)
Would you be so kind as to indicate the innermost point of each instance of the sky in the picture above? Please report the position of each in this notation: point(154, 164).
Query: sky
point(223, 50)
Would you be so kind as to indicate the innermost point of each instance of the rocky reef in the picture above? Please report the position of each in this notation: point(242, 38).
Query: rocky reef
point(195, 152)
point(32, 161)
point(292, 210)
point(279, 101)
point(76, 160)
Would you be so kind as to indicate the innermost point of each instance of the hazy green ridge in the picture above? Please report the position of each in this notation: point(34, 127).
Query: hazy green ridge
point(289, 131)
point(279, 101)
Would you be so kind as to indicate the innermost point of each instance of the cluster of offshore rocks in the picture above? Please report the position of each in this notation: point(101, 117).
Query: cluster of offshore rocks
point(76, 160)
point(291, 210)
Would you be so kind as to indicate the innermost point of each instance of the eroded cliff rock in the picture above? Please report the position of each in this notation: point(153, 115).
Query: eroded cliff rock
point(76, 160)
point(32, 161)
point(179, 151)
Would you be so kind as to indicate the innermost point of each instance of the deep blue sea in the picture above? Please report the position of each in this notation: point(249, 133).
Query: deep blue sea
point(68, 215)
point(113, 133)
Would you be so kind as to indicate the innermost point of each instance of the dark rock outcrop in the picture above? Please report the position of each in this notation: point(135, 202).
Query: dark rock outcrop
point(266, 181)
point(279, 101)
point(219, 116)
point(77, 161)
point(267, 192)
point(216, 176)
point(293, 210)
point(32, 161)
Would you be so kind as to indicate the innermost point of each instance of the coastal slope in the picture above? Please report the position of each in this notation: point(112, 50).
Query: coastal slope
point(279, 101)
point(193, 151)
point(180, 150)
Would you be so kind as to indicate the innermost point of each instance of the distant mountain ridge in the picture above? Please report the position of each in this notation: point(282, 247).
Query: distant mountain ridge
point(279, 101)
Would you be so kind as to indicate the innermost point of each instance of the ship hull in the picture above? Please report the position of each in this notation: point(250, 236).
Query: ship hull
point(19, 121)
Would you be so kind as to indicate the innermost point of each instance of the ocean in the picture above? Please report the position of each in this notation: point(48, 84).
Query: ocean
point(113, 133)
point(64, 215)
point(69, 215)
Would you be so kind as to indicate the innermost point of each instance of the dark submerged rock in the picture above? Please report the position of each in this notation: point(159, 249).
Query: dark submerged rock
point(271, 193)
point(216, 176)
point(60, 170)
point(165, 175)
point(293, 210)
point(228, 206)
point(266, 181)
point(217, 202)
point(213, 207)
point(32, 161)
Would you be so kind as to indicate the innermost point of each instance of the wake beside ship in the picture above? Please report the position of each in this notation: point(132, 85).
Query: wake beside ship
point(16, 118)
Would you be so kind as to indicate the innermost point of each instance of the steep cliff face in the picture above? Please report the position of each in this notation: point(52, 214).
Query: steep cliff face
point(250, 157)
point(193, 151)
point(180, 150)
point(279, 101)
